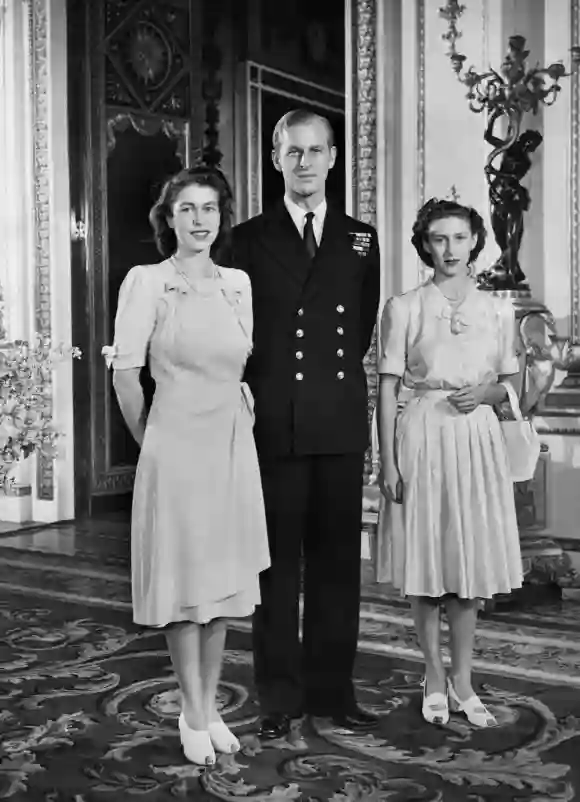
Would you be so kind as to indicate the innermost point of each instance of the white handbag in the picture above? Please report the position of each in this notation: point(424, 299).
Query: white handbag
point(521, 441)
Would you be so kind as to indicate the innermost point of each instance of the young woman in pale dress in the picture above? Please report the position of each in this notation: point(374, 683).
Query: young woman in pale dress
point(198, 529)
point(446, 350)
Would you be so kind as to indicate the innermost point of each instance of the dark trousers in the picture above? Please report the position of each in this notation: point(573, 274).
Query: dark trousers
point(314, 509)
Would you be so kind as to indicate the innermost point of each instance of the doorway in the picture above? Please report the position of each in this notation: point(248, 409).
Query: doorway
point(134, 91)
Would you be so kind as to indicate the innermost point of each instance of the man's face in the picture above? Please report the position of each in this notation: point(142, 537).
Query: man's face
point(304, 158)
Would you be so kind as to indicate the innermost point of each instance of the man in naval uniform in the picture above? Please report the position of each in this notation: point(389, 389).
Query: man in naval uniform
point(315, 285)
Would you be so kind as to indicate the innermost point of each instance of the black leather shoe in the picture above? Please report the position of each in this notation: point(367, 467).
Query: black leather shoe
point(355, 719)
point(276, 725)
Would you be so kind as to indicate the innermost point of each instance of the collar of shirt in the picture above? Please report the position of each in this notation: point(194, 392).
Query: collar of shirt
point(298, 215)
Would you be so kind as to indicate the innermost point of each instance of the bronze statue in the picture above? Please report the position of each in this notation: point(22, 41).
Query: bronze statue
point(509, 201)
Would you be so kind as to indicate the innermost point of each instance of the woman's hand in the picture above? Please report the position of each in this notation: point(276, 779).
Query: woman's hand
point(391, 484)
point(468, 398)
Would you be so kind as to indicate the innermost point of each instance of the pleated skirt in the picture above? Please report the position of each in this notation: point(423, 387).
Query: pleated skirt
point(458, 532)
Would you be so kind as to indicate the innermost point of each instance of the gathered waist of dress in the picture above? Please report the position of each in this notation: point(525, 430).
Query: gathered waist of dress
point(199, 397)
point(407, 393)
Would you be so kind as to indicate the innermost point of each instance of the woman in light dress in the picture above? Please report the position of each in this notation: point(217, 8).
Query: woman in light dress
point(446, 351)
point(198, 531)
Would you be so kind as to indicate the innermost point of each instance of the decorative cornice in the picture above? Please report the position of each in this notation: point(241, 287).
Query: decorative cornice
point(575, 179)
point(39, 87)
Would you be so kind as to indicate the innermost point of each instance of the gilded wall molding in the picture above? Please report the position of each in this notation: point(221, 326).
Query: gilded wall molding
point(364, 147)
point(422, 271)
point(39, 89)
point(365, 128)
point(421, 102)
point(575, 179)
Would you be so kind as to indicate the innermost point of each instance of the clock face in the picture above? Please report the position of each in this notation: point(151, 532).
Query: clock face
point(149, 54)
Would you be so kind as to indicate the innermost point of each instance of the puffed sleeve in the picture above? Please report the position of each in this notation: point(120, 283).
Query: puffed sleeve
point(393, 338)
point(134, 321)
point(508, 363)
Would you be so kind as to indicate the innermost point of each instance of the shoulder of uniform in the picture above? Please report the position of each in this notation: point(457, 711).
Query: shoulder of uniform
point(358, 225)
point(248, 226)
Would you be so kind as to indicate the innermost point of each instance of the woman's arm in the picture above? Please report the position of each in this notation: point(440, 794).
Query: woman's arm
point(387, 415)
point(131, 401)
point(390, 482)
point(469, 398)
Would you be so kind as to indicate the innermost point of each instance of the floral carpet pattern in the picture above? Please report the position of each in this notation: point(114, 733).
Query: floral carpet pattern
point(89, 705)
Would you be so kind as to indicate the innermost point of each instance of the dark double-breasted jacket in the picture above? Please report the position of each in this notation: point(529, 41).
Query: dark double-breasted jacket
point(313, 323)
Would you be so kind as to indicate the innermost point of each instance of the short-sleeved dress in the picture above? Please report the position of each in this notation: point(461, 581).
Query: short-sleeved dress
point(198, 530)
point(457, 532)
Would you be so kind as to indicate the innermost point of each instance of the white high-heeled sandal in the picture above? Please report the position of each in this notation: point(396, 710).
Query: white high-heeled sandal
point(473, 708)
point(435, 707)
point(222, 737)
point(197, 745)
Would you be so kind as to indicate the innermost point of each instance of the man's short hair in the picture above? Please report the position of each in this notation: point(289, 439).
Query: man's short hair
point(300, 117)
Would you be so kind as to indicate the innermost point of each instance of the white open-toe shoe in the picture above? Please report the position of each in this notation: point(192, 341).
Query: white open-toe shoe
point(197, 745)
point(473, 708)
point(435, 708)
point(222, 737)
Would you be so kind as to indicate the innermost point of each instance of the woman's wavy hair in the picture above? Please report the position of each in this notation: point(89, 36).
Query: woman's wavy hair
point(436, 209)
point(204, 176)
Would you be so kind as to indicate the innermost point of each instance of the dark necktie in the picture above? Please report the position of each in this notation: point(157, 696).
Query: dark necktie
point(308, 236)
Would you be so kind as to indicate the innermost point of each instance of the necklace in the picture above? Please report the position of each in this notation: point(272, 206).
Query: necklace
point(460, 299)
point(194, 283)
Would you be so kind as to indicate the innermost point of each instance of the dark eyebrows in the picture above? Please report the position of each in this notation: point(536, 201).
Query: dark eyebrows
point(184, 204)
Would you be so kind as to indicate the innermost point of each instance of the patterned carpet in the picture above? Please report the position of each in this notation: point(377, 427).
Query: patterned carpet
point(88, 702)
point(89, 706)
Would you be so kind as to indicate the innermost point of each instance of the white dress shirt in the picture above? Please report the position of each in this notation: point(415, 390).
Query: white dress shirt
point(298, 215)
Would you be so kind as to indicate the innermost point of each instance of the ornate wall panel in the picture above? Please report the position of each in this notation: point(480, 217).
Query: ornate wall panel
point(575, 180)
point(364, 146)
point(39, 83)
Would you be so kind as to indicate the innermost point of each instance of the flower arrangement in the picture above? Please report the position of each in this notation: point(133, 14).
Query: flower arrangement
point(26, 422)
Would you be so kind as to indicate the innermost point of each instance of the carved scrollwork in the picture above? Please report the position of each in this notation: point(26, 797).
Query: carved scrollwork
point(149, 126)
point(366, 111)
point(117, 481)
point(148, 59)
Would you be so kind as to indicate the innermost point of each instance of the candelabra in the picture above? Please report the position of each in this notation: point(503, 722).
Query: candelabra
point(506, 95)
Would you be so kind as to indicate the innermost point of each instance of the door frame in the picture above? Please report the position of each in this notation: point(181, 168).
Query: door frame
point(99, 486)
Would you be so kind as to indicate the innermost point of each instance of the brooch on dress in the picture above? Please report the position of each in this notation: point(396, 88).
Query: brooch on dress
point(458, 323)
point(171, 286)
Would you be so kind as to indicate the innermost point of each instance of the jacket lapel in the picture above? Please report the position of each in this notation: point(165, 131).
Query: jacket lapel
point(281, 239)
point(335, 237)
